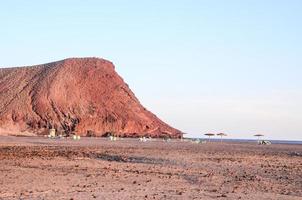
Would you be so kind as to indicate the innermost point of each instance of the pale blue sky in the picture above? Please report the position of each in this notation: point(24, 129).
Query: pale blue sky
point(202, 66)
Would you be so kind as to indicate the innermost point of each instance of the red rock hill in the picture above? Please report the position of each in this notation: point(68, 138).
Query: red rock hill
point(76, 95)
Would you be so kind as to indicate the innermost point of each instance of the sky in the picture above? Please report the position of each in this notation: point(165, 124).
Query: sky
point(200, 65)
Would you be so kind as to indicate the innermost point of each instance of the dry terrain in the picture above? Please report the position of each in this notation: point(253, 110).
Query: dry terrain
point(40, 168)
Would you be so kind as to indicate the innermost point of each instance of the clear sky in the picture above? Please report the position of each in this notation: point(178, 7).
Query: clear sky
point(201, 65)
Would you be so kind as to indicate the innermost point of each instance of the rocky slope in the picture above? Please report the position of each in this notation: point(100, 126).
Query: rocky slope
point(77, 95)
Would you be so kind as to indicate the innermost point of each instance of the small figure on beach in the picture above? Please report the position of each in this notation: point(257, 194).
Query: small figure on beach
point(262, 142)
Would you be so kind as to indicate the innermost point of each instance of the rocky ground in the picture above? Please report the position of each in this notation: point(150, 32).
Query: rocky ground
point(40, 168)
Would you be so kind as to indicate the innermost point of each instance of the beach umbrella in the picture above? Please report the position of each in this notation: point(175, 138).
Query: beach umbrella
point(221, 135)
point(258, 136)
point(209, 135)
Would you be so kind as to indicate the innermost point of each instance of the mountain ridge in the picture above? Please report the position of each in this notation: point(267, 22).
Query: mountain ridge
point(74, 95)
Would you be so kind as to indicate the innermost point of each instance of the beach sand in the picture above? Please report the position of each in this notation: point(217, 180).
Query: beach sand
point(41, 168)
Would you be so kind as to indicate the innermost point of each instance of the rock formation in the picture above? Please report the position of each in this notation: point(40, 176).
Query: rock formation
point(77, 95)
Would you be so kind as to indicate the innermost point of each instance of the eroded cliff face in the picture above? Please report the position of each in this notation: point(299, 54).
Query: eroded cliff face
point(73, 96)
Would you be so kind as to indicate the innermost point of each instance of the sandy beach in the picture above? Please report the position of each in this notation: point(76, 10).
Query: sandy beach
point(41, 168)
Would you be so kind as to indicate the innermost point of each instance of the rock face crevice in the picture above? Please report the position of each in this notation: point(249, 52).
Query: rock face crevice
point(77, 95)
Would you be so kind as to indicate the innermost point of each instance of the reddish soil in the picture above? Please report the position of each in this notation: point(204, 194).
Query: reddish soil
point(78, 95)
point(39, 168)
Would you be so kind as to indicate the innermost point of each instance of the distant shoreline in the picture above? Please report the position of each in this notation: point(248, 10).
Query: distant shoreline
point(287, 142)
point(253, 140)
